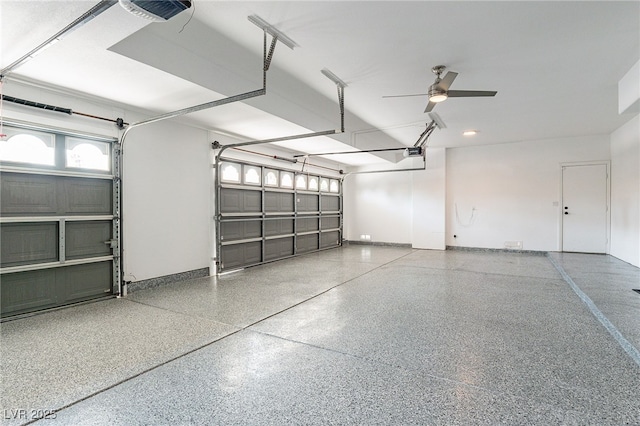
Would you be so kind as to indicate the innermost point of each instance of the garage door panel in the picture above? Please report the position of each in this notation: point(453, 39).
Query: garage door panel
point(28, 243)
point(329, 239)
point(87, 196)
point(330, 203)
point(278, 227)
point(35, 290)
point(81, 282)
point(278, 248)
point(252, 201)
point(238, 255)
point(240, 201)
point(330, 222)
point(23, 194)
point(308, 203)
point(240, 230)
point(25, 291)
point(231, 200)
point(307, 224)
point(278, 202)
point(307, 243)
point(86, 239)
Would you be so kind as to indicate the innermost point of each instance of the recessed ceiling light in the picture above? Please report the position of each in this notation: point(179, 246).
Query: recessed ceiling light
point(469, 132)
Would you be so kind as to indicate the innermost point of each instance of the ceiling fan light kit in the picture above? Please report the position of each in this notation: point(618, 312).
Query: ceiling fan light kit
point(437, 95)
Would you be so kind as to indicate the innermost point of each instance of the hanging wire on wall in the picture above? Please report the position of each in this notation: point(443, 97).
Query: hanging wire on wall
point(472, 218)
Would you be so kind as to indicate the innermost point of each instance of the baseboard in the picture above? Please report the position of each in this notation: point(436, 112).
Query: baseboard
point(167, 279)
point(375, 243)
point(497, 250)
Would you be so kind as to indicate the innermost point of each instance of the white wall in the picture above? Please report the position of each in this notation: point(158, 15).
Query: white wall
point(166, 184)
point(514, 189)
point(405, 207)
point(428, 207)
point(625, 192)
point(379, 205)
point(167, 178)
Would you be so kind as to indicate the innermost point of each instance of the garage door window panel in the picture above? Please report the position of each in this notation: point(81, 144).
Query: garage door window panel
point(29, 148)
point(230, 172)
point(252, 175)
point(90, 155)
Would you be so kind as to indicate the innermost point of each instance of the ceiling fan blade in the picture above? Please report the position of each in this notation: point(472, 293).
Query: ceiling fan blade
point(447, 80)
point(404, 96)
point(430, 106)
point(469, 93)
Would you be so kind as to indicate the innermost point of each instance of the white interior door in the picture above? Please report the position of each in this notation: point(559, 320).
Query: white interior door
point(584, 209)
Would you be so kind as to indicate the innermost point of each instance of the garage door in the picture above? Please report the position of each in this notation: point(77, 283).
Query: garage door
point(57, 227)
point(266, 214)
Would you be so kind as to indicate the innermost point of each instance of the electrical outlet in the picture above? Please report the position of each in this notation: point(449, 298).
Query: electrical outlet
point(515, 245)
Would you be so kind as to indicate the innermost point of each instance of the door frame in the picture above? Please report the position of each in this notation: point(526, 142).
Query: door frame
point(606, 163)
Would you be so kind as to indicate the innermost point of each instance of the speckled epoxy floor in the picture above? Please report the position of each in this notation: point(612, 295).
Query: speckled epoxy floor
point(356, 335)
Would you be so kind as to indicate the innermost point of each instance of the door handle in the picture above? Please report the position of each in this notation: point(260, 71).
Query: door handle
point(112, 243)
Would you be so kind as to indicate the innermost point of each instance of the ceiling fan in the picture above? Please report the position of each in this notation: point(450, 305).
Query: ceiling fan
point(439, 91)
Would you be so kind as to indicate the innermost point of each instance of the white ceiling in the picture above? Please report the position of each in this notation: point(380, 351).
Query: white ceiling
point(555, 66)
